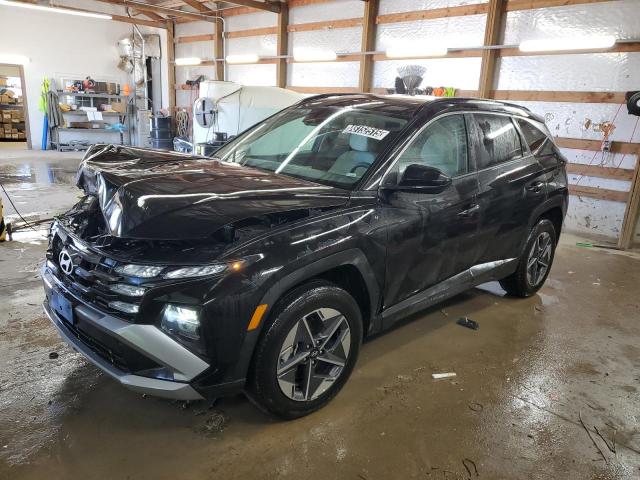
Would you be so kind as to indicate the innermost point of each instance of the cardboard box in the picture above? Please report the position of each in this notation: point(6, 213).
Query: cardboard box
point(120, 107)
point(3, 82)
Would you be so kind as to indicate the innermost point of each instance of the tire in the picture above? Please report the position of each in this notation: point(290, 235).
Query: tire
point(291, 378)
point(529, 277)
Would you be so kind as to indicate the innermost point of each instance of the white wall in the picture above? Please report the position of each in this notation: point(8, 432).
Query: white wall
point(64, 45)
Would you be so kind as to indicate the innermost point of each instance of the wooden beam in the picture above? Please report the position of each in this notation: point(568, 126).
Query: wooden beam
point(596, 145)
point(599, 193)
point(218, 46)
point(196, 5)
point(492, 36)
point(252, 32)
point(327, 24)
point(134, 21)
point(632, 209)
point(171, 58)
point(463, 10)
point(157, 9)
point(268, 6)
point(368, 44)
point(514, 5)
point(282, 46)
point(559, 96)
point(195, 38)
point(601, 172)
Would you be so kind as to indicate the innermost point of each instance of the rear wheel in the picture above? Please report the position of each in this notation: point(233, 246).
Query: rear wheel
point(535, 262)
point(307, 352)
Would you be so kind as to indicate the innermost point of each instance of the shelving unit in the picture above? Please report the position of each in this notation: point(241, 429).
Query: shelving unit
point(12, 121)
point(91, 100)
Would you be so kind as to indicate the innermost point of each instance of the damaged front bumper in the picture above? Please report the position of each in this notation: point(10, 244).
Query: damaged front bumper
point(123, 349)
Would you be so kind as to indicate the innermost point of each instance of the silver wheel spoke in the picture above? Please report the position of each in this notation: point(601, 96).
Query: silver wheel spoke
point(326, 335)
point(328, 357)
point(292, 362)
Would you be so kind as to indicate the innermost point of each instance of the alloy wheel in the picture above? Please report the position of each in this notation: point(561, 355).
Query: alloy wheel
point(539, 259)
point(314, 354)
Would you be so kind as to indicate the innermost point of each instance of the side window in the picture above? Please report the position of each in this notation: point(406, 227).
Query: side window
point(498, 140)
point(442, 145)
point(532, 135)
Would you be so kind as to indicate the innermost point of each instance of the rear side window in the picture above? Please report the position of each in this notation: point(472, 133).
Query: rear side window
point(498, 140)
point(532, 135)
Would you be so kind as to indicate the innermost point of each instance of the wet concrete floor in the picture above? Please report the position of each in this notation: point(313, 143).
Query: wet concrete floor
point(547, 388)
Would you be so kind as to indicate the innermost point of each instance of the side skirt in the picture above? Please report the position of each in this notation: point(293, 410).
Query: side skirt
point(474, 276)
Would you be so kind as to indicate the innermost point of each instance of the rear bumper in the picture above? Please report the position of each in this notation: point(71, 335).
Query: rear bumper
point(147, 340)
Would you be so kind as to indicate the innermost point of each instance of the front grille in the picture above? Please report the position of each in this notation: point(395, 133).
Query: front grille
point(118, 354)
point(91, 276)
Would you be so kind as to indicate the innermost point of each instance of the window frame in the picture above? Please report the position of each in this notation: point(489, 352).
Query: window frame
point(471, 167)
point(523, 139)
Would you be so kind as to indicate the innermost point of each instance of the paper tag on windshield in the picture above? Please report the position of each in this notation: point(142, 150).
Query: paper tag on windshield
point(375, 133)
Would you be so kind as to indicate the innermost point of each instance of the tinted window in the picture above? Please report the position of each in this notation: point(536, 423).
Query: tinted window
point(532, 135)
point(442, 145)
point(498, 140)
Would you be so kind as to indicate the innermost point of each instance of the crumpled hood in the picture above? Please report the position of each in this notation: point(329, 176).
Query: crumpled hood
point(146, 194)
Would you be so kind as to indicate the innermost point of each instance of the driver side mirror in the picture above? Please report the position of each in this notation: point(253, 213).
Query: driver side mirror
point(418, 177)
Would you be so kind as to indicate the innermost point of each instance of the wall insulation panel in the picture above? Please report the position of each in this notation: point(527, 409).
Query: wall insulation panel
point(322, 11)
point(615, 72)
point(582, 120)
point(339, 40)
point(590, 215)
point(264, 45)
point(256, 74)
point(467, 31)
point(325, 74)
point(608, 18)
point(250, 20)
point(396, 6)
point(461, 73)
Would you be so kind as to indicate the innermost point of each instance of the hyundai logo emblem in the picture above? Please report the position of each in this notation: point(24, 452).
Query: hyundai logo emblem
point(66, 262)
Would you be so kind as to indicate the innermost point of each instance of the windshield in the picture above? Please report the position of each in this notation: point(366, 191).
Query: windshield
point(332, 145)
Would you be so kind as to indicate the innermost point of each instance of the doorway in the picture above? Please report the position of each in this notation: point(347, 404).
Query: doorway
point(14, 118)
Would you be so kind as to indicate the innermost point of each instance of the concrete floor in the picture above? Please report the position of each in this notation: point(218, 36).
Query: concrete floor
point(527, 381)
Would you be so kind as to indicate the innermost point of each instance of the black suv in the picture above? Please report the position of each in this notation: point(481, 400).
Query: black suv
point(262, 269)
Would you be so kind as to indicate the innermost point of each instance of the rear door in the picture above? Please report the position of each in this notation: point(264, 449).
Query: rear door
point(431, 236)
point(511, 185)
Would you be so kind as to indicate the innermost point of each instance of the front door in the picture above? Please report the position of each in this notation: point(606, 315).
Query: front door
point(431, 236)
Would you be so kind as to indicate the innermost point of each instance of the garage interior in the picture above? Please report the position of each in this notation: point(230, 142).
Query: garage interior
point(546, 388)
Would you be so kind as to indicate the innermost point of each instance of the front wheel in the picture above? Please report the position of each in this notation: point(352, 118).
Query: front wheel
point(535, 262)
point(307, 352)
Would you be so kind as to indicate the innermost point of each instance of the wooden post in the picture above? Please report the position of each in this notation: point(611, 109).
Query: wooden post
point(368, 44)
point(282, 46)
point(219, 49)
point(492, 36)
point(171, 58)
point(633, 207)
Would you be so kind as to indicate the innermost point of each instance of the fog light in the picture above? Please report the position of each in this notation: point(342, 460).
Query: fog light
point(181, 321)
point(123, 306)
point(128, 290)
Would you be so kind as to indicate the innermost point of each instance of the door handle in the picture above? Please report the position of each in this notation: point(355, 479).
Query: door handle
point(470, 212)
point(535, 187)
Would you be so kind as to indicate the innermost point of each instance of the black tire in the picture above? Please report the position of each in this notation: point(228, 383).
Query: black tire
point(308, 302)
point(520, 283)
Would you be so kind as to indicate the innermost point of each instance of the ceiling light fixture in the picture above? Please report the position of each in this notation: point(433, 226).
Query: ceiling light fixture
point(186, 61)
point(247, 58)
point(568, 43)
point(315, 56)
point(415, 51)
point(31, 6)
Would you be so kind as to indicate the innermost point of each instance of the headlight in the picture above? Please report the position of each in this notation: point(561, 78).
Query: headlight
point(182, 321)
point(196, 271)
point(124, 307)
point(142, 271)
